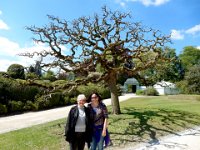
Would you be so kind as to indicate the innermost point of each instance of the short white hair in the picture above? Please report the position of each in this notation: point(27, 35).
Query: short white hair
point(81, 97)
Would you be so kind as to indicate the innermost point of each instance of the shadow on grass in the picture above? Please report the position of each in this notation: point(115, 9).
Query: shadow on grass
point(143, 125)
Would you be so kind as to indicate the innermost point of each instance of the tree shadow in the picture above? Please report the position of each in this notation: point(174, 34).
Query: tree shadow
point(148, 125)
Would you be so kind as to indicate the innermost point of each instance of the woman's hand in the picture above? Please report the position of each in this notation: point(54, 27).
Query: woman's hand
point(104, 133)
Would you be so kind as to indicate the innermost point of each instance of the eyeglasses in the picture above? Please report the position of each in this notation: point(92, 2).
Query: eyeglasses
point(94, 97)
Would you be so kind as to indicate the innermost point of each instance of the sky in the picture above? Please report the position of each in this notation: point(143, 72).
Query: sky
point(180, 18)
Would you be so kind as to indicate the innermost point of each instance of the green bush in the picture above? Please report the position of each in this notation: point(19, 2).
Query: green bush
point(21, 92)
point(42, 102)
point(91, 87)
point(183, 86)
point(3, 74)
point(73, 100)
point(49, 101)
point(73, 93)
point(150, 91)
point(140, 92)
point(3, 109)
point(5, 84)
point(49, 75)
point(55, 99)
point(16, 106)
point(31, 75)
point(58, 82)
point(17, 89)
point(29, 105)
point(16, 71)
point(193, 79)
point(66, 100)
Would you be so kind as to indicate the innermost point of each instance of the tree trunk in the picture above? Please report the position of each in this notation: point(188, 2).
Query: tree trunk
point(112, 84)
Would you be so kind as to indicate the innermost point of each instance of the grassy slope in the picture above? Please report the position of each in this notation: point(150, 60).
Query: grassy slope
point(142, 119)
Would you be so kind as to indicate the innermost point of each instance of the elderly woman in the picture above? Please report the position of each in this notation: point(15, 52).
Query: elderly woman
point(99, 117)
point(77, 130)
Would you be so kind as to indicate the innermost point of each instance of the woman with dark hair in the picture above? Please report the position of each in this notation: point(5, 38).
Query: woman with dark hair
point(99, 117)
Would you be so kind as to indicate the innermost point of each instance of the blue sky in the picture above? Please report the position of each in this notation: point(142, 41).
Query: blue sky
point(181, 18)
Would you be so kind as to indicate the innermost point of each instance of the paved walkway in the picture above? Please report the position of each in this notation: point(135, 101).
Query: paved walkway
point(186, 140)
point(20, 121)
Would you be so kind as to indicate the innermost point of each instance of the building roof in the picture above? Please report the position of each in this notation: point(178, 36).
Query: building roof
point(164, 84)
point(131, 81)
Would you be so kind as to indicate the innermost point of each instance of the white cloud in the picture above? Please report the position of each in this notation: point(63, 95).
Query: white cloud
point(9, 51)
point(177, 35)
point(180, 34)
point(153, 2)
point(7, 47)
point(122, 3)
point(194, 30)
point(3, 25)
point(198, 47)
point(144, 2)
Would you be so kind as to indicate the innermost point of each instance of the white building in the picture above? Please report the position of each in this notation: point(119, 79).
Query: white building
point(163, 87)
point(166, 88)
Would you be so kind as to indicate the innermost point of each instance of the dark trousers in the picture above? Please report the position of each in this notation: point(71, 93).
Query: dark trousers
point(79, 142)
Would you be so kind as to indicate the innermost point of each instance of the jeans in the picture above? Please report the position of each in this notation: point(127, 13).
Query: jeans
point(97, 145)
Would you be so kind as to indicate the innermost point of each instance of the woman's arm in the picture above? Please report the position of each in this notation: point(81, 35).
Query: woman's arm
point(105, 125)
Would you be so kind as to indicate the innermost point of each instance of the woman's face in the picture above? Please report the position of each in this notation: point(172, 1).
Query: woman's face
point(94, 98)
point(81, 102)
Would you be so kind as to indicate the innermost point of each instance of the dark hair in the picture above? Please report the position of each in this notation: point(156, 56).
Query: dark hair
point(90, 97)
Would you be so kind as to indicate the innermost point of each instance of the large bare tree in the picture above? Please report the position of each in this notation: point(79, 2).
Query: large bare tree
point(109, 40)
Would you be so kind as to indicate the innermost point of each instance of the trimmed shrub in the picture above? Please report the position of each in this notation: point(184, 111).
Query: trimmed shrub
point(73, 93)
point(49, 75)
point(29, 105)
point(23, 93)
point(100, 88)
point(150, 91)
point(16, 106)
point(55, 99)
point(66, 100)
point(16, 89)
point(5, 84)
point(3, 109)
point(140, 92)
point(58, 82)
point(49, 101)
point(73, 100)
point(16, 71)
point(183, 86)
point(42, 102)
point(31, 75)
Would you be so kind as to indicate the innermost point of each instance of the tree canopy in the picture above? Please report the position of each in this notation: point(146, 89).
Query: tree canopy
point(190, 56)
point(163, 70)
point(108, 41)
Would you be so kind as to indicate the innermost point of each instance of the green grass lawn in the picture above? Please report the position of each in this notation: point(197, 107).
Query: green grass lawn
point(142, 120)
